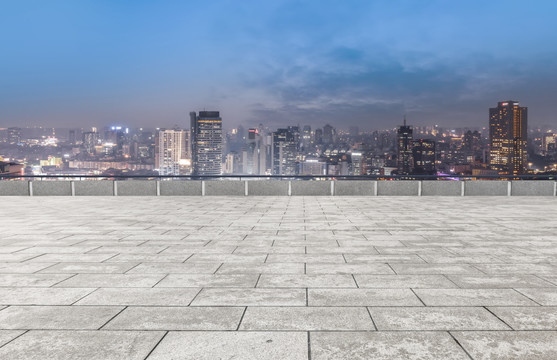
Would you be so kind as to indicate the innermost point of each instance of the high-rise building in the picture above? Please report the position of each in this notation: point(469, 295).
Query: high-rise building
point(508, 138)
point(423, 154)
point(14, 135)
point(254, 155)
point(285, 151)
point(329, 134)
point(90, 140)
point(306, 138)
point(171, 151)
point(404, 159)
point(206, 143)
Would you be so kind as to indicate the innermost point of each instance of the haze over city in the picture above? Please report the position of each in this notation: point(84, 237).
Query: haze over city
point(350, 63)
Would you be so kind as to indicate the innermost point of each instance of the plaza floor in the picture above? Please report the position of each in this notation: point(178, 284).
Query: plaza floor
point(278, 278)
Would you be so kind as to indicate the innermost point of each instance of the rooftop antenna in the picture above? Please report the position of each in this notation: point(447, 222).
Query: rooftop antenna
point(404, 119)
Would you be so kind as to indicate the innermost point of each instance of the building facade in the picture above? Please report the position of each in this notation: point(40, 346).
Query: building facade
point(171, 152)
point(206, 143)
point(423, 155)
point(508, 123)
point(404, 153)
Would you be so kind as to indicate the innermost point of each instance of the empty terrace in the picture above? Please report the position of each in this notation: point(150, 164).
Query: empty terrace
point(317, 277)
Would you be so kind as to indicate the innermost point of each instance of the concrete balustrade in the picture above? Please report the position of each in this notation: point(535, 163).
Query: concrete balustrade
point(355, 188)
point(310, 188)
point(442, 188)
point(51, 188)
point(398, 188)
point(135, 188)
point(278, 188)
point(225, 188)
point(181, 188)
point(486, 188)
point(267, 188)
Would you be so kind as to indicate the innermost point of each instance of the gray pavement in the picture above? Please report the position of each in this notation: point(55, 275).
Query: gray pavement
point(278, 278)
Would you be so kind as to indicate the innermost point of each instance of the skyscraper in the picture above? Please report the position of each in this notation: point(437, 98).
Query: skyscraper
point(423, 153)
point(404, 159)
point(206, 141)
point(285, 151)
point(14, 135)
point(171, 151)
point(508, 138)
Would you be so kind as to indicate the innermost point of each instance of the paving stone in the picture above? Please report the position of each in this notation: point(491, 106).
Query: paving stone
point(273, 268)
point(404, 281)
point(82, 345)
point(412, 269)
point(311, 281)
point(41, 296)
point(473, 297)
point(56, 317)
point(250, 297)
point(543, 296)
point(89, 268)
point(528, 318)
point(8, 335)
point(435, 318)
point(504, 345)
point(112, 280)
point(362, 297)
point(33, 280)
point(140, 296)
point(177, 318)
point(500, 281)
point(232, 345)
point(205, 280)
point(314, 269)
point(385, 345)
point(306, 318)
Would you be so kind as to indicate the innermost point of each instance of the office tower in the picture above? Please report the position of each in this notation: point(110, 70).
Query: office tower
point(90, 140)
point(206, 143)
point(328, 134)
point(254, 159)
point(14, 135)
point(171, 151)
point(404, 159)
point(285, 151)
point(318, 137)
point(549, 143)
point(423, 153)
point(306, 138)
point(508, 138)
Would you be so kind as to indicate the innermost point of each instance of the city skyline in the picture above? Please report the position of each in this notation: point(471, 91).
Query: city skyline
point(355, 63)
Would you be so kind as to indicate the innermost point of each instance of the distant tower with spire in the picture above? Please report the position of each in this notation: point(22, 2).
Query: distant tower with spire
point(405, 139)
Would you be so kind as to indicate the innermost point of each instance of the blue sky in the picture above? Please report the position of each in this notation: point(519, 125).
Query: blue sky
point(366, 63)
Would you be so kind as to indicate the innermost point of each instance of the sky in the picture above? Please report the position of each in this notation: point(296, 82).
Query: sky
point(366, 63)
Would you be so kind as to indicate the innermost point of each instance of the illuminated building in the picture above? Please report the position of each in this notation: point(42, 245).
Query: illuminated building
point(14, 135)
point(171, 151)
point(423, 154)
point(508, 138)
point(285, 150)
point(404, 159)
point(206, 143)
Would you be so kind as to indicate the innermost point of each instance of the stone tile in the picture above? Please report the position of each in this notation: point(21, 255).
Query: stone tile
point(176, 268)
point(72, 258)
point(306, 318)
point(205, 280)
point(528, 318)
point(232, 345)
point(504, 345)
point(111, 280)
point(8, 335)
point(23, 268)
point(404, 281)
point(250, 297)
point(177, 318)
point(274, 268)
point(362, 297)
point(33, 280)
point(353, 268)
point(41, 296)
point(429, 269)
point(500, 281)
point(435, 318)
point(543, 296)
point(473, 297)
point(140, 297)
point(89, 268)
point(385, 345)
point(373, 259)
point(305, 258)
point(303, 281)
point(82, 345)
point(56, 317)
